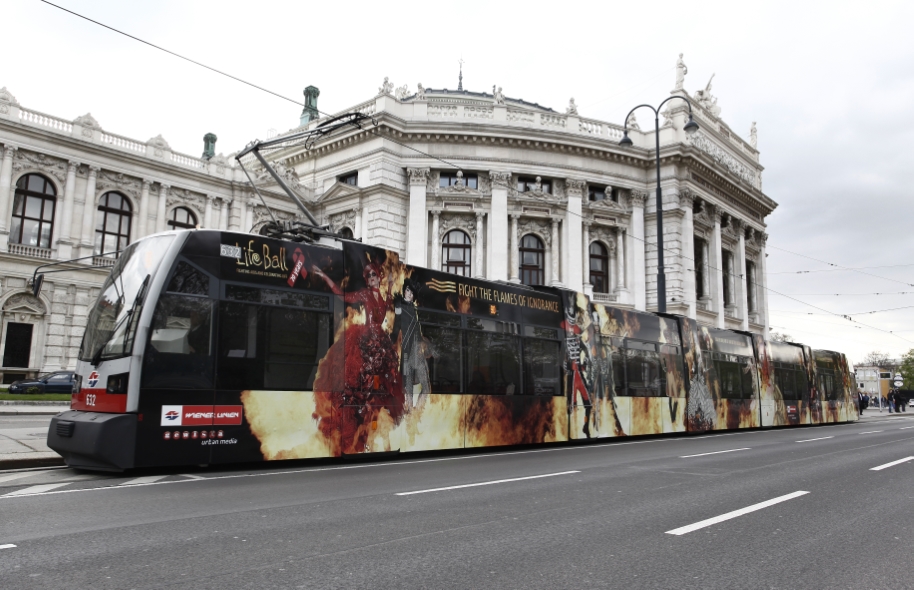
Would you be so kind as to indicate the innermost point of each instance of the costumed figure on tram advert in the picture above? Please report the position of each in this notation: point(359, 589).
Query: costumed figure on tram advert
point(361, 372)
point(578, 364)
point(413, 349)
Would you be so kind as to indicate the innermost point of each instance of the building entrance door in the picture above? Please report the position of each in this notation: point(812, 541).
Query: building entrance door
point(18, 347)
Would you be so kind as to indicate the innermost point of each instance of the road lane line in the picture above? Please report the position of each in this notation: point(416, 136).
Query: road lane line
point(905, 427)
point(812, 439)
point(714, 453)
point(887, 465)
point(870, 432)
point(7, 546)
point(705, 523)
point(142, 480)
point(192, 476)
point(36, 489)
point(485, 483)
point(13, 476)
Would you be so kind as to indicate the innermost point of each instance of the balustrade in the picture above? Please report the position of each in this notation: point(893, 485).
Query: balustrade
point(33, 251)
point(36, 118)
point(124, 143)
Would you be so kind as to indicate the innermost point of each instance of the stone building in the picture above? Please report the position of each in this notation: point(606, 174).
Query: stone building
point(70, 189)
point(474, 183)
point(487, 186)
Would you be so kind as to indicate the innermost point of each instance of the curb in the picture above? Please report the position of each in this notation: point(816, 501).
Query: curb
point(33, 411)
point(9, 402)
point(31, 462)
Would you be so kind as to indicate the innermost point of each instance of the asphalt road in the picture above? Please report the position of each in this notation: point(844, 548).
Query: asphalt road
point(598, 516)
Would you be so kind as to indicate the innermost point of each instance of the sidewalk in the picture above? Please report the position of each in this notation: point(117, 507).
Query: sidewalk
point(24, 446)
point(32, 408)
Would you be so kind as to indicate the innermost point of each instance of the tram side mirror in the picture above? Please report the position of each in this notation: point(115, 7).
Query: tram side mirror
point(36, 284)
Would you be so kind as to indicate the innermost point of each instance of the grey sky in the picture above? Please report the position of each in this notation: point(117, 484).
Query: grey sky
point(829, 83)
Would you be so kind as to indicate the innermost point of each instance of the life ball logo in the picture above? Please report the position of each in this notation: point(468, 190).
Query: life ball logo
point(92, 381)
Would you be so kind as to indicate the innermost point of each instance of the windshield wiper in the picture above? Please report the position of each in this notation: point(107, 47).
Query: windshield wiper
point(138, 300)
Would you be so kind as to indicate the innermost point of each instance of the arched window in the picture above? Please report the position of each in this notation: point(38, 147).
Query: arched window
point(33, 211)
point(112, 233)
point(532, 260)
point(346, 233)
point(456, 250)
point(182, 218)
point(599, 268)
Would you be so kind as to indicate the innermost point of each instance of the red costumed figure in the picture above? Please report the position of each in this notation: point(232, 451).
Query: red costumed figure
point(360, 375)
point(573, 344)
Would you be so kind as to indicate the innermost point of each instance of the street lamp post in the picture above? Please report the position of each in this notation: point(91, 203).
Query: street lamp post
point(690, 127)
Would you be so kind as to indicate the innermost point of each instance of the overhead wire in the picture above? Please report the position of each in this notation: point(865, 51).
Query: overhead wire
point(839, 267)
point(450, 164)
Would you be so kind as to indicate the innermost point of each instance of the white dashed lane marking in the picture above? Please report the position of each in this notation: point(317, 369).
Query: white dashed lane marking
point(142, 480)
point(812, 439)
point(892, 464)
point(485, 483)
point(706, 523)
point(7, 546)
point(13, 476)
point(715, 453)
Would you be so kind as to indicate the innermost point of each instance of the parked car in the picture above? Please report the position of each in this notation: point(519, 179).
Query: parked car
point(56, 382)
point(911, 403)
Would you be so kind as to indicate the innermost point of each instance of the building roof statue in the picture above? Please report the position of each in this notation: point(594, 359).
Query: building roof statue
point(387, 87)
point(572, 108)
point(753, 136)
point(707, 100)
point(498, 94)
point(681, 71)
point(420, 92)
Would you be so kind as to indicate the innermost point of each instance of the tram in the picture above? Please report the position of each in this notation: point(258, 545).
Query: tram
point(210, 347)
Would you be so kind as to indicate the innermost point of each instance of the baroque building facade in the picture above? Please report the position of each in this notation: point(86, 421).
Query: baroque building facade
point(473, 183)
point(507, 190)
point(70, 189)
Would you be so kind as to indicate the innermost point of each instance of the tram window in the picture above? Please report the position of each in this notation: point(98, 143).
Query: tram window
point(187, 279)
point(786, 383)
point(493, 365)
point(642, 370)
point(270, 347)
point(179, 351)
point(618, 368)
point(443, 319)
point(802, 384)
point(537, 332)
point(828, 386)
point(734, 376)
point(276, 297)
point(444, 362)
point(542, 367)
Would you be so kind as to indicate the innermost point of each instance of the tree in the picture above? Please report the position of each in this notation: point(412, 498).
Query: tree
point(876, 358)
point(780, 337)
point(907, 369)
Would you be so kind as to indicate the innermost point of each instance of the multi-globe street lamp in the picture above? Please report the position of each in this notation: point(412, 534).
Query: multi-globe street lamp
point(690, 127)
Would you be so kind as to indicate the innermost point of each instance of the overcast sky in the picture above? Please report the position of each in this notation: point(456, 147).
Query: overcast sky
point(831, 85)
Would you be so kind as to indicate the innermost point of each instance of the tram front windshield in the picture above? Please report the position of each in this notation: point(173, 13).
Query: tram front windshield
point(112, 320)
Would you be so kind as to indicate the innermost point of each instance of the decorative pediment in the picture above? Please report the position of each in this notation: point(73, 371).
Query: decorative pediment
point(119, 182)
point(343, 219)
point(51, 166)
point(465, 223)
point(540, 227)
point(24, 306)
point(607, 206)
point(339, 190)
point(604, 235)
point(159, 143)
point(7, 97)
point(88, 121)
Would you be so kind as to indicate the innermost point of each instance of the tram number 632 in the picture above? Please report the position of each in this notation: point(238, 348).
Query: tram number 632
point(90, 399)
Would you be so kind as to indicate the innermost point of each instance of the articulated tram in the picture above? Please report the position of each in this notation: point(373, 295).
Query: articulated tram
point(212, 347)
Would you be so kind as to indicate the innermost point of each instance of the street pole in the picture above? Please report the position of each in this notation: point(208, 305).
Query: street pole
point(690, 127)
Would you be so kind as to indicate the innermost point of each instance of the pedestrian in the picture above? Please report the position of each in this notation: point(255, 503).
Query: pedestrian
point(901, 403)
point(891, 401)
point(866, 401)
point(859, 403)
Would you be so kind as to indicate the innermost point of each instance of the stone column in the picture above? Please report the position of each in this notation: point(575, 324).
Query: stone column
point(498, 222)
point(706, 275)
point(436, 240)
point(515, 249)
point(6, 193)
point(621, 290)
point(87, 238)
point(141, 226)
point(573, 274)
point(586, 287)
point(556, 253)
point(762, 280)
point(226, 213)
point(208, 211)
point(64, 244)
point(417, 224)
point(742, 283)
point(357, 230)
point(477, 262)
point(161, 208)
point(636, 243)
point(242, 213)
point(717, 263)
point(250, 215)
point(687, 250)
